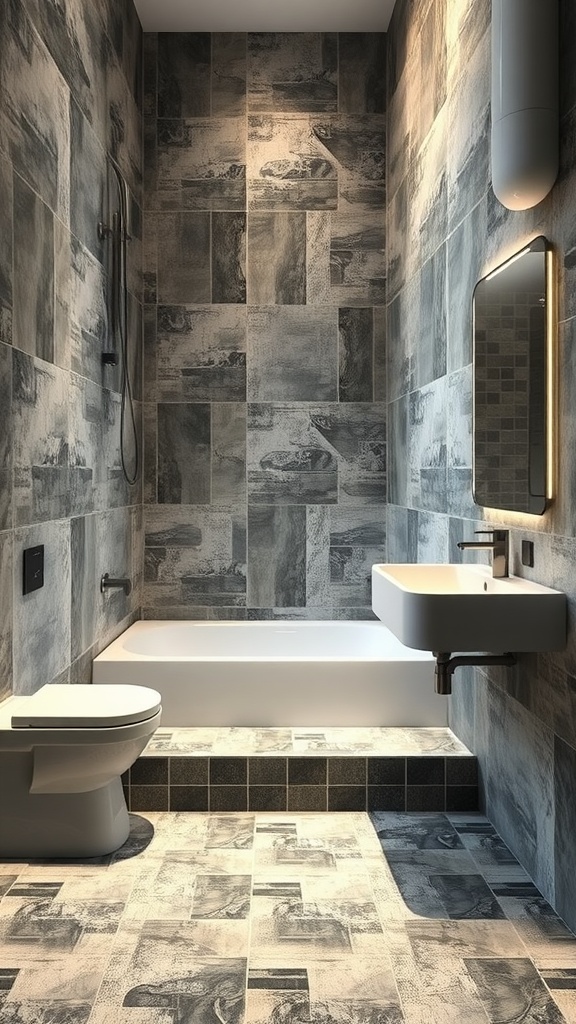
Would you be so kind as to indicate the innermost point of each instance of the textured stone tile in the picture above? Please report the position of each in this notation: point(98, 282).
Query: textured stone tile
point(88, 183)
point(288, 460)
point(228, 73)
point(40, 419)
point(361, 72)
point(80, 316)
point(427, 447)
point(6, 570)
point(6, 482)
point(292, 353)
point(183, 74)
point(343, 544)
point(276, 258)
point(288, 167)
point(183, 248)
point(41, 639)
point(276, 556)
point(201, 353)
point(228, 257)
point(195, 557)
point(292, 71)
point(34, 120)
point(184, 453)
point(200, 164)
point(356, 355)
point(6, 253)
point(228, 452)
point(33, 323)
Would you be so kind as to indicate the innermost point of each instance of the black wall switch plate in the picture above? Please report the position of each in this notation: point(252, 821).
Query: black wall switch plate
point(528, 552)
point(33, 569)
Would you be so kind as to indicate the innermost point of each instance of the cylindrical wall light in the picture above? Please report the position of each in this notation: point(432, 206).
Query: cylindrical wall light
point(524, 100)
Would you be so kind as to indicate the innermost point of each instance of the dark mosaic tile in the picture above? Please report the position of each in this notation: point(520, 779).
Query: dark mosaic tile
point(188, 798)
point(309, 771)
point(267, 798)
point(461, 771)
point(386, 798)
point(267, 771)
point(347, 771)
point(149, 771)
point(148, 798)
point(425, 798)
point(307, 798)
point(228, 771)
point(228, 798)
point(188, 771)
point(386, 771)
point(347, 798)
point(425, 771)
point(462, 798)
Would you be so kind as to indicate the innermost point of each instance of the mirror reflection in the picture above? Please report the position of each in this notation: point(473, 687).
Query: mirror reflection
point(510, 383)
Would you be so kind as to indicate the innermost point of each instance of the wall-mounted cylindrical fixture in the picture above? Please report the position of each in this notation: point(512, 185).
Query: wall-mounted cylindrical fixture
point(524, 101)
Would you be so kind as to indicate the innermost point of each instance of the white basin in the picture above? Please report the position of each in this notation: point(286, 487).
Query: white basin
point(445, 608)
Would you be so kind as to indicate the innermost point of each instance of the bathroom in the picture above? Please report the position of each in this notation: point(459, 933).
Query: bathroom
point(398, 301)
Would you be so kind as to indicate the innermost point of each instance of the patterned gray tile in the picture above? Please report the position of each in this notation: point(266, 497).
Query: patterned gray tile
point(41, 638)
point(183, 248)
point(34, 120)
point(292, 354)
point(343, 544)
point(6, 573)
point(356, 354)
point(6, 253)
point(276, 258)
point(184, 453)
point(361, 72)
point(228, 257)
point(228, 73)
point(512, 986)
point(228, 452)
point(292, 71)
point(288, 168)
point(276, 555)
point(199, 165)
point(201, 353)
point(40, 411)
point(183, 74)
point(33, 323)
point(289, 462)
point(88, 179)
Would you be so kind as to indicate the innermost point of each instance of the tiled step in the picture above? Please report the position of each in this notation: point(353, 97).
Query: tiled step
point(303, 770)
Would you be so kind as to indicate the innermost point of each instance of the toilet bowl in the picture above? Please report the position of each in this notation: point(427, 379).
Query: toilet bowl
point(62, 752)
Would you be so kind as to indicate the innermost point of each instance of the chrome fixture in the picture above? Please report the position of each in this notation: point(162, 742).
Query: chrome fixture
point(107, 583)
point(117, 233)
point(499, 546)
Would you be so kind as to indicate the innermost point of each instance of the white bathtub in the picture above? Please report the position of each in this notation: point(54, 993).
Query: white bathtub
point(280, 673)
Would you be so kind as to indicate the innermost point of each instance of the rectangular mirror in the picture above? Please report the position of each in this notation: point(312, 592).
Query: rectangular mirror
point(512, 325)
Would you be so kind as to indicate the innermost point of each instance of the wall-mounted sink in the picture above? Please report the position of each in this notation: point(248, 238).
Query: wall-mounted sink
point(463, 608)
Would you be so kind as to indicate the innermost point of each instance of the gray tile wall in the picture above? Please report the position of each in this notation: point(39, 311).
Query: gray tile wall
point(70, 91)
point(264, 324)
point(446, 230)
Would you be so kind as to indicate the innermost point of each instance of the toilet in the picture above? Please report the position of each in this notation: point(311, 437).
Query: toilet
point(62, 752)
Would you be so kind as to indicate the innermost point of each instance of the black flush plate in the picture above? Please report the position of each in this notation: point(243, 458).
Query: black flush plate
point(33, 569)
point(527, 552)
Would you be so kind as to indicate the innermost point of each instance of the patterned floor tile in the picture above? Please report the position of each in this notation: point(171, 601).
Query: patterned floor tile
point(336, 918)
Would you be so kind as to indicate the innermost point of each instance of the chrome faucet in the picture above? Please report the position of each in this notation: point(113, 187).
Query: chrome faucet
point(499, 546)
point(107, 583)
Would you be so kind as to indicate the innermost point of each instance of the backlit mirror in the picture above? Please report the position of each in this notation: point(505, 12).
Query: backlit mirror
point(513, 324)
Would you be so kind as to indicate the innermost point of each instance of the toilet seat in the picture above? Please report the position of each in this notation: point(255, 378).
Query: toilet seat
point(84, 706)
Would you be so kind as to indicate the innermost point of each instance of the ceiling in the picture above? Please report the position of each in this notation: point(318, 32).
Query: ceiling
point(264, 15)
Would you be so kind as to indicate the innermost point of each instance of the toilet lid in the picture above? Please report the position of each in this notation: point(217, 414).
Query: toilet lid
point(84, 706)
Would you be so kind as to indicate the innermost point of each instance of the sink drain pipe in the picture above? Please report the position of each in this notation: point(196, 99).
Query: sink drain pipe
point(446, 665)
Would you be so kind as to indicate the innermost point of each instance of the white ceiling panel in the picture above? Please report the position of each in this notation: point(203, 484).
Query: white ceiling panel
point(264, 15)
